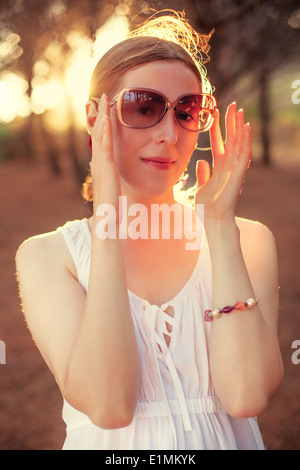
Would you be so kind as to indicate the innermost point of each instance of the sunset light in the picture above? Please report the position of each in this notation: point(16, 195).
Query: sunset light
point(60, 81)
point(13, 99)
point(84, 58)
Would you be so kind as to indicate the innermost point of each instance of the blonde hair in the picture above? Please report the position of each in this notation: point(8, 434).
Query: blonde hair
point(176, 29)
point(166, 37)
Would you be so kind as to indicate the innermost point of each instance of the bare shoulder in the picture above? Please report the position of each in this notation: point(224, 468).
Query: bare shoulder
point(254, 226)
point(51, 298)
point(252, 232)
point(39, 244)
point(43, 251)
point(257, 243)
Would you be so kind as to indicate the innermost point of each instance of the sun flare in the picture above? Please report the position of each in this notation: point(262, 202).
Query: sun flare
point(61, 81)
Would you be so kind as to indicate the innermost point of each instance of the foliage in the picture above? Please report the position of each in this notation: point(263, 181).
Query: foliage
point(252, 37)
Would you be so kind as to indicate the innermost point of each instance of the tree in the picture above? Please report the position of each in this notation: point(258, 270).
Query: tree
point(252, 37)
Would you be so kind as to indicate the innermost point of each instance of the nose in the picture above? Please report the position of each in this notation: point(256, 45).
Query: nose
point(167, 128)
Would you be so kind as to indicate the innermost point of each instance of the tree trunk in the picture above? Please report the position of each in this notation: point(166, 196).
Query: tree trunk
point(265, 116)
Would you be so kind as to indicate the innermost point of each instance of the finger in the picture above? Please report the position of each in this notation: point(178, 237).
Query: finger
point(102, 147)
point(101, 112)
point(216, 141)
point(107, 128)
point(106, 105)
point(202, 172)
point(240, 134)
point(230, 121)
point(107, 139)
point(246, 153)
point(244, 159)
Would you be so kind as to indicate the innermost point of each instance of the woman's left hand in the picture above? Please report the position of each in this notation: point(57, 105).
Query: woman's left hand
point(220, 192)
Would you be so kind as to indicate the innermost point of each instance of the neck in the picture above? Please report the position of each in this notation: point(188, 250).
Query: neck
point(145, 214)
point(135, 197)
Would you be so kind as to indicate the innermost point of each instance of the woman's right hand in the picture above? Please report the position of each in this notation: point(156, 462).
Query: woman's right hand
point(105, 175)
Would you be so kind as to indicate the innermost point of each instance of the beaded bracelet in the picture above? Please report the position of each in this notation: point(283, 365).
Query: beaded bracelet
point(210, 315)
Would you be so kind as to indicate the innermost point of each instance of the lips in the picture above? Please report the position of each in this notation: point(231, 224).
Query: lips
point(159, 162)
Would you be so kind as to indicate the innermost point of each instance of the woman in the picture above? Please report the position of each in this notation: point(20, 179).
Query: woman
point(136, 369)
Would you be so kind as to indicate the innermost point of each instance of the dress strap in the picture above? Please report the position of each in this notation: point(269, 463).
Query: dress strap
point(76, 236)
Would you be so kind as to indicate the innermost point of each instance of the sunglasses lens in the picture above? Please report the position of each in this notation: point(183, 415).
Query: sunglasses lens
point(195, 112)
point(142, 109)
point(145, 108)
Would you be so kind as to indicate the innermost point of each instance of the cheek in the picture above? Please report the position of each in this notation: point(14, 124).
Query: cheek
point(127, 143)
point(119, 140)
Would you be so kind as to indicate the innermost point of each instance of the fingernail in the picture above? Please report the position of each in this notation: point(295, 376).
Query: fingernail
point(103, 99)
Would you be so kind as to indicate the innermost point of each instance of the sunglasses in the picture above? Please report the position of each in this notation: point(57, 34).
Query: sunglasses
point(141, 108)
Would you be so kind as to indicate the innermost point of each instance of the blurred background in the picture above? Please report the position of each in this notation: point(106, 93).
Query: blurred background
point(47, 53)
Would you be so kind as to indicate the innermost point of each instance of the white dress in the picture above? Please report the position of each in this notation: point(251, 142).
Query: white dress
point(177, 405)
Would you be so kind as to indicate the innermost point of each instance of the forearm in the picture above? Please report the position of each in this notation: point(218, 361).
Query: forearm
point(103, 371)
point(244, 356)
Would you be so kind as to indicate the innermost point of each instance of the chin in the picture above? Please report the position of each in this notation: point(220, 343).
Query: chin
point(149, 187)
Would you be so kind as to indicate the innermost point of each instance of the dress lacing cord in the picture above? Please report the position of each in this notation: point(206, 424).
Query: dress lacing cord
point(156, 320)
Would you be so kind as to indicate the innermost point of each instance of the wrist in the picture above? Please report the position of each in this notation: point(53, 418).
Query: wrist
point(105, 223)
point(221, 227)
point(222, 235)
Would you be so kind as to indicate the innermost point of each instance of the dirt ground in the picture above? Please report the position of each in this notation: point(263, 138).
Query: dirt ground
point(33, 201)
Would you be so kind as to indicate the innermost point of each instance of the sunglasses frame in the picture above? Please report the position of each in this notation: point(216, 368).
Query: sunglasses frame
point(116, 105)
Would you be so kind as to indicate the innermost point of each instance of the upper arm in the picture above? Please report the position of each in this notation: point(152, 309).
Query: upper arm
point(260, 255)
point(52, 299)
